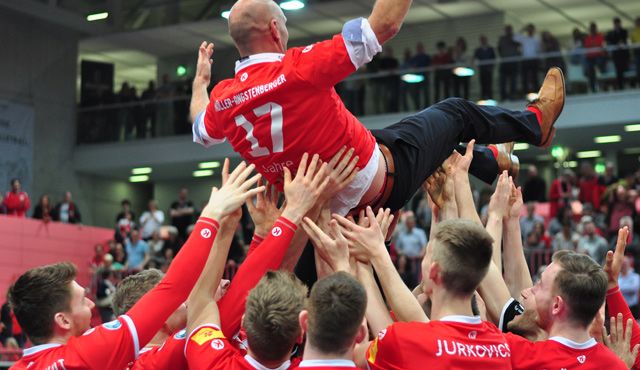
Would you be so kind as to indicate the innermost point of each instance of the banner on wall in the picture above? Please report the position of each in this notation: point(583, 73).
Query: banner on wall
point(16, 144)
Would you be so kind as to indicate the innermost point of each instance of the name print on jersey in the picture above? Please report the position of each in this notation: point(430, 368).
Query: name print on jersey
point(248, 94)
point(454, 348)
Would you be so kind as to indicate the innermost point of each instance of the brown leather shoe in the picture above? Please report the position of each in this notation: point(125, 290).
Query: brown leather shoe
point(550, 102)
point(508, 161)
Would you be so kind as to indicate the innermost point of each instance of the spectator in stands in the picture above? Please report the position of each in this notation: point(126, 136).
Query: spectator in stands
point(156, 248)
point(589, 188)
point(635, 39)
point(617, 38)
point(486, 55)
point(621, 204)
point(104, 294)
point(442, 80)
point(3, 208)
point(10, 331)
point(508, 48)
point(530, 47)
point(411, 242)
point(67, 211)
point(591, 243)
point(609, 177)
point(16, 202)
point(550, 44)
point(125, 221)
point(119, 259)
point(43, 209)
point(148, 121)
point(565, 214)
point(535, 189)
point(594, 58)
point(577, 50)
point(560, 192)
point(391, 84)
point(566, 239)
point(408, 89)
point(461, 59)
point(537, 238)
point(137, 252)
point(422, 60)
point(151, 220)
point(97, 261)
point(528, 222)
point(629, 283)
point(181, 213)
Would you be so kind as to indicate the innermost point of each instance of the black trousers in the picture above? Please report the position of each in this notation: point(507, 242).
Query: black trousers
point(421, 142)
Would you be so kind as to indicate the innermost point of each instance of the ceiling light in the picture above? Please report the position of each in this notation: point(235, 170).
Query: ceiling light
point(558, 152)
point(631, 128)
point(600, 168)
point(545, 157)
point(141, 171)
point(607, 139)
point(181, 71)
point(225, 14)
point(589, 154)
point(570, 164)
point(463, 71)
point(292, 5)
point(489, 102)
point(521, 146)
point(97, 16)
point(632, 151)
point(411, 78)
point(202, 173)
point(204, 165)
point(139, 178)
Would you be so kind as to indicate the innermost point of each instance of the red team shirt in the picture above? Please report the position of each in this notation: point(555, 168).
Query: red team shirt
point(558, 353)
point(17, 204)
point(280, 106)
point(454, 342)
point(115, 345)
point(169, 356)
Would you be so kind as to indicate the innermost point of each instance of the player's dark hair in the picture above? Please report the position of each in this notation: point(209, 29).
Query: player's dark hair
point(38, 295)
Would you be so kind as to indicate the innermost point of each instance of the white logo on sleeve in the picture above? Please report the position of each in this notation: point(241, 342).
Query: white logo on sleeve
point(244, 77)
point(307, 49)
point(112, 325)
point(217, 344)
point(582, 359)
point(473, 334)
point(276, 231)
point(182, 334)
point(206, 233)
point(382, 333)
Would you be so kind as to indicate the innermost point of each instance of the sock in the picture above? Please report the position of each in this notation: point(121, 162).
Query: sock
point(537, 112)
point(494, 150)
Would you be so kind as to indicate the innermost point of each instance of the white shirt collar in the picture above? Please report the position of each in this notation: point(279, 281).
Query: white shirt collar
point(258, 366)
point(575, 345)
point(327, 363)
point(35, 349)
point(462, 319)
point(258, 58)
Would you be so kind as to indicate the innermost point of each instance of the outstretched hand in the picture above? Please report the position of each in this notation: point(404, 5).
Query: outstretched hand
point(614, 259)
point(499, 203)
point(302, 192)
point(341, 171)
point(365, 243)
point(619, 340)
point(235, 191)
point(515, 201)
point(264, 212)
point(332, 246)
point(459, 164)
point(203, 68)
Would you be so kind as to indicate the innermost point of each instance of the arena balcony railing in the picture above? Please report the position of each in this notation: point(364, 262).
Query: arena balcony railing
point(366, 93)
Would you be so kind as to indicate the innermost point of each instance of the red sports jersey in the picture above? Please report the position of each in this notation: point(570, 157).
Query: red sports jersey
point(17, 204)
point(561, 353)
point(168, 356)
point(207, 348)
point(110, 346)
point(454, 342)
point(280, 106)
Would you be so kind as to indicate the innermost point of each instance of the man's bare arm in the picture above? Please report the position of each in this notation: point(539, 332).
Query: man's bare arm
point(387, 17)
point(201, 81)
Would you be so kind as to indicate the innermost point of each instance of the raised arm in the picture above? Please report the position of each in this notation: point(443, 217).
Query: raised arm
point(367, 244)
point(387, 17)
point(377, 314)
point(459, 169)
point(498, 208)
point(516, 271)
point(201, 81)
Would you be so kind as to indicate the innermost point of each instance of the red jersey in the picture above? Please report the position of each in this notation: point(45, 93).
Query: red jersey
point(207, 348)
point(110, 346)
point(616, 304)
point(168, 356)
point(280, 106)
point(454, 342)
point(17, 204)
point(561, 353)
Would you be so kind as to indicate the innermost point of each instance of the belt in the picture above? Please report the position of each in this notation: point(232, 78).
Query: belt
point(381, 199)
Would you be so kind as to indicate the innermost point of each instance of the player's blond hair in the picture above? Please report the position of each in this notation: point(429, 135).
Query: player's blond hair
point(463, 250)
point(271, 315)
point(132, 288)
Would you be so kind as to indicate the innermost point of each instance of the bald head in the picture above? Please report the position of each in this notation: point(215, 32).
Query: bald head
point(258, 26)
